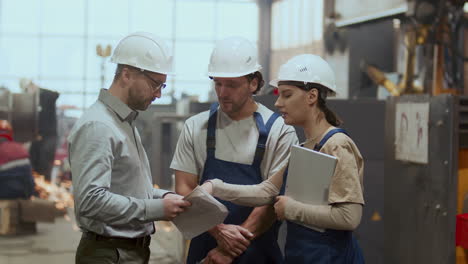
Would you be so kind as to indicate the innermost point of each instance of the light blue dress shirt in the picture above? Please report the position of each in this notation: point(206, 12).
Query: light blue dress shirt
point(111, 177)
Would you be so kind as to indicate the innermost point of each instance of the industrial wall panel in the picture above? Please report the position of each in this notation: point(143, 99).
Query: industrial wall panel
point(420, 199)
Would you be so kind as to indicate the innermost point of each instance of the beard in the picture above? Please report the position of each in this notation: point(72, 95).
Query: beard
point(137, 102)
point(233, 107)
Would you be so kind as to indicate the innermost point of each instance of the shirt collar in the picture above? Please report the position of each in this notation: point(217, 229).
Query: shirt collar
point(122, 110)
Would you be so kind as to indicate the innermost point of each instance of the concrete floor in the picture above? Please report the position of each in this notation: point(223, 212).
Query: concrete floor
point(57, 242)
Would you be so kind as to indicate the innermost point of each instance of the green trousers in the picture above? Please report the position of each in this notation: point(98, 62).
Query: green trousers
point(107, 252)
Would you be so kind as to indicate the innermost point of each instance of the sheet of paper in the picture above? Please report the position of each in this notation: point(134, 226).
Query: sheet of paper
point(412, 132)
point(205, 213)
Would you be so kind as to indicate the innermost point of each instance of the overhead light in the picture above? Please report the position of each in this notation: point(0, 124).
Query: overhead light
point(465, 7)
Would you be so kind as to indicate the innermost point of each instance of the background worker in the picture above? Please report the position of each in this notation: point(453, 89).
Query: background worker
point(115, 202)
point(16, 180)
point(241, 141)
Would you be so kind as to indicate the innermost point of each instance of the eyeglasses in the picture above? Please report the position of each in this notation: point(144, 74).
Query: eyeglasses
point(157, 85)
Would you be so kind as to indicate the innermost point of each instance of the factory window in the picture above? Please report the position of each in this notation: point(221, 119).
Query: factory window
point(63, 18)
point(53, 42)
point(296, 23)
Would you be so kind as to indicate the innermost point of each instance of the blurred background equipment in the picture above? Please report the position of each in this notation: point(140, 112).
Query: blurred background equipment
point(43, 146)
point(21, 110)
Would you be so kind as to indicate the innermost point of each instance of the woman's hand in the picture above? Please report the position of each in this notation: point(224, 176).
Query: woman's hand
point(280, 206)
point(208, 187)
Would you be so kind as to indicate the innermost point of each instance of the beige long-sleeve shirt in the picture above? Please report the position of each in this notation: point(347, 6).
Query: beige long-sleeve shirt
point(345, 197)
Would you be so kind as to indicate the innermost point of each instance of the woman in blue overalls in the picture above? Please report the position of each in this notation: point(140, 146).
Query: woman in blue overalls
point(303, 84)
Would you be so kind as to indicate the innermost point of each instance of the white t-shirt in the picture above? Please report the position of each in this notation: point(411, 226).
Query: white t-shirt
point(236, 141)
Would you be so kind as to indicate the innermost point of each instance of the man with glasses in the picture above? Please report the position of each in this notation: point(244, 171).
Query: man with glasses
point(115, 202)
point(239, 141)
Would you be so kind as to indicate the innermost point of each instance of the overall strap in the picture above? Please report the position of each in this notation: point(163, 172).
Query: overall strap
point(330, 133)
point(285, 180)
point(263, 131)
point(211, 131)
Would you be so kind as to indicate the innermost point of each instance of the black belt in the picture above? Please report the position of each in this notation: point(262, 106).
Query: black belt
point(136, 242)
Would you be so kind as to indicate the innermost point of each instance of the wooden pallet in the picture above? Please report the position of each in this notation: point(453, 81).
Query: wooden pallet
point(20, 216)
point(10, 220)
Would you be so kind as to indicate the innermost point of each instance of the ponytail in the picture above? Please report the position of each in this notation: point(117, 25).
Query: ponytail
point(331, 117)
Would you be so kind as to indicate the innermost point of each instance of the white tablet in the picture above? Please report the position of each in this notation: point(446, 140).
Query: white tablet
point(309, 175)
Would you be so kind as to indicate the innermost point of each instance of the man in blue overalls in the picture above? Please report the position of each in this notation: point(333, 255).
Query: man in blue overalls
point(239, 141)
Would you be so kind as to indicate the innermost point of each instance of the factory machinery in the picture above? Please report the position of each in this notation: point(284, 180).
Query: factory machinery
point(416, 179)
point(22, 111)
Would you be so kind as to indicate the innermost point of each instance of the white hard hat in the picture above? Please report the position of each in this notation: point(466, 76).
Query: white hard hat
point(144, 51)
point(233, 57)
point(307, 68)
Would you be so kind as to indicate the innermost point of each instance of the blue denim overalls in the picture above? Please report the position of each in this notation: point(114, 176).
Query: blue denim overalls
point(263, 249)
point(305, 245)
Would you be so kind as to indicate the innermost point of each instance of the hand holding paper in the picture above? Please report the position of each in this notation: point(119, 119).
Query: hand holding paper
point(173, 207)
point(204, 213)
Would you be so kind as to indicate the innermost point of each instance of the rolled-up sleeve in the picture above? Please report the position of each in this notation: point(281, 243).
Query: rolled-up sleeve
point(184, 157)
point(91, 158)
